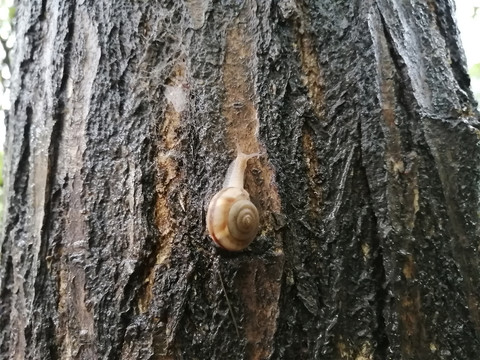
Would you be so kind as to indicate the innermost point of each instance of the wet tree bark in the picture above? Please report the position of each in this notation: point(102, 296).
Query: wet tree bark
point(124, 119)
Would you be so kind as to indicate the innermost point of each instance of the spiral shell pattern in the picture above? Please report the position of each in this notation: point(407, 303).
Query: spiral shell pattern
point(232, 219)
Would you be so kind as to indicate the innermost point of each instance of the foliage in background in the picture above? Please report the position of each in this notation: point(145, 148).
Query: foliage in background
point(474, 70)
point(468, 31)
point(474, 73)
point(7, 38)
point(1, 187)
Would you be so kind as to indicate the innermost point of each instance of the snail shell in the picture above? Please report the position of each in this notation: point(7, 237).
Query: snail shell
point(232, 219)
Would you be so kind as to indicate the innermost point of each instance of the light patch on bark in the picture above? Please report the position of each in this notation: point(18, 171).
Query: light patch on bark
point(177, 97)
point(77, 337)
point(197, 10)
point(312, 75)
point(366, 352)
point(349, 352)
point(147, 295)
point(366, 251)
point(169, 176)
point(386, 82)
point(411, 323)
point(402, 192)
point(241, 114)
point(260, 285)
point(167, 165)
point(409, 268)
point(315, 200)
point(403, 199)
point(408, 42)
point(164, 219)
point(238, 106)
point(39, 142)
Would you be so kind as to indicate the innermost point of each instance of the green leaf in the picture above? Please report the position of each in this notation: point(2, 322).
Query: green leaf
point(474, 71)
point(11, 12)
point(1, 168)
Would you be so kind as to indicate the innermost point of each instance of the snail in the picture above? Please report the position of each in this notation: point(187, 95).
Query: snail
point(232, 219)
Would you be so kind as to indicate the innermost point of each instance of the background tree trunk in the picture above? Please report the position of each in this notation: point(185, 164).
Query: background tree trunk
point(124, 119)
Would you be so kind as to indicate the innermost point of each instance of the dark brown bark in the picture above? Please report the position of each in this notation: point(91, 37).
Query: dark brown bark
point(125, 117)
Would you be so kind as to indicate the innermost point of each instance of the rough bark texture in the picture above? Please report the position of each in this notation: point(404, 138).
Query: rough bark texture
point(125, 117)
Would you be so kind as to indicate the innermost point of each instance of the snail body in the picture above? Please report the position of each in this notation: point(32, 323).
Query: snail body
point(232, 219)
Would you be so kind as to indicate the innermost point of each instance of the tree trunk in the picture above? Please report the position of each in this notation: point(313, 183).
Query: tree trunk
point(125, 117)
